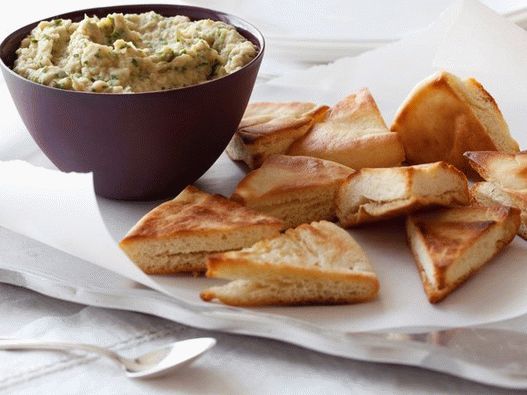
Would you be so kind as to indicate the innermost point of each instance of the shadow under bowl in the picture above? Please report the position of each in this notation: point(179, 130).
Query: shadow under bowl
point(139, 146)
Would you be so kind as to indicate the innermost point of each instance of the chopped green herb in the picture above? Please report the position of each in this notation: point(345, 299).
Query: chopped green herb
point(116, 35)
point(168, 55)
point(57, 22)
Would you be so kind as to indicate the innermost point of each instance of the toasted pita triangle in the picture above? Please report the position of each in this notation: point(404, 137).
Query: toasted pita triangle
point(490, 194)
point(318, 263)
point(177, 235)
point(354, 134)
point(450, 245)
point(444, 116)
point(270, 128)
point(506, 170)
point(370, 195)
point(296, 189)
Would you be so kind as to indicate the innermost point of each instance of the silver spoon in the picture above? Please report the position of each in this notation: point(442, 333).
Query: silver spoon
point(151, 364)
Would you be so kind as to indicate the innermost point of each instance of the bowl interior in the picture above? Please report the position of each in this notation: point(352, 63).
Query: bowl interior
point(11, 43)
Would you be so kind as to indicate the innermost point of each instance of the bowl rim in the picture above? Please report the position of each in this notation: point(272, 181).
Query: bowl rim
point(257, 34)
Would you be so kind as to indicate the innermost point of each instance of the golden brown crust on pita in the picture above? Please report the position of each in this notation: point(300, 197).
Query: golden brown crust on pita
point(263, 120)
point(437, 122)
point(369, 282)
point(270, 128)
point(216, 269)
point(373, 206)
point(449, 235)
point(506, 176)
point(281, 174)
point(480, 161)
point(354, 134)
point(194, 211)
point(261, 114)
point(509, 170)
point(177, 235)
point(320, 253)
point(484, 93)
point(434, 295)
point(511, 197)
point(490, 194)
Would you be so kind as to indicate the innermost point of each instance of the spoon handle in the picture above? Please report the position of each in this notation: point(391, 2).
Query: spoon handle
point(28, 344)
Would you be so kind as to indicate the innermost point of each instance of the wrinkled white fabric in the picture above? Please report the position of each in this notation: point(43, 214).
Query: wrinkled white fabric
point(237, 365)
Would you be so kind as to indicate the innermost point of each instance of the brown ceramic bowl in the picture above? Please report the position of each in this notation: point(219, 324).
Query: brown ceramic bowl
point(139, 146)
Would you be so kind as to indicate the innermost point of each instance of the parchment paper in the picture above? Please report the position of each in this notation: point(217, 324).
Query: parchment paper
point(62, 211)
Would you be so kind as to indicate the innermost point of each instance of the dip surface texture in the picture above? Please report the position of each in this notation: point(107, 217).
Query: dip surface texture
point(131, 53)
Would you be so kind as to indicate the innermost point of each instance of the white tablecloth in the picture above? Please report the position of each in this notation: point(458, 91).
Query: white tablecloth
point(236, 365)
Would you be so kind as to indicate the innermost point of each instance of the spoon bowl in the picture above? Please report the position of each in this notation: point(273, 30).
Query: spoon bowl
point(167, 358)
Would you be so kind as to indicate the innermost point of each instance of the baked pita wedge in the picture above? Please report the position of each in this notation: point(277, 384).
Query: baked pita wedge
point(450, 245)
point(270, 128)
point(370, 195)
point(507, 181)
point(178, 235)
point(506, 170)
point(489, 194)
point(353, 134)
point(296, 189)
point(443, 117)
point(318, 263)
